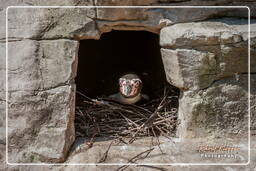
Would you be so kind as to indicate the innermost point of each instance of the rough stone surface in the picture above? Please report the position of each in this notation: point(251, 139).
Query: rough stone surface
point(196, 55)
point(183, 151)
point(41, 104)
point(2, 67)
point(186, 68)
point(32, 64)
point(206, 51)
point(91, 22)
point(198, 34)
point(2, 103)
point(40, 124)
point(174, 150)
point(51, 23)
point(2, 120)
point(218, 111)
point(155, 18)
point(5, 3)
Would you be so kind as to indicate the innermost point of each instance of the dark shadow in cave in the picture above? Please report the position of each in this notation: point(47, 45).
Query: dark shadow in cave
point(103, 61)
point(100, 64)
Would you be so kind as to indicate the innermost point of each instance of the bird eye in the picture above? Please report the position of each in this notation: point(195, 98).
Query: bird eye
point(122, 81)
point(136, 83)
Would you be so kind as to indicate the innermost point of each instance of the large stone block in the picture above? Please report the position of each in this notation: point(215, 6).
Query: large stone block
point(198, 34)
point(153, 19)
point(5, 3)
point(220, 110)
point(41, 99)
point(189, 69)
point(51, 23)
point(60, 56)
point(89, 23)
point(226, 40)
point(41, 124)
point(32, 64)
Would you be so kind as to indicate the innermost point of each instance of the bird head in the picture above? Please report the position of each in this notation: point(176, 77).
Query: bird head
point(130, 85)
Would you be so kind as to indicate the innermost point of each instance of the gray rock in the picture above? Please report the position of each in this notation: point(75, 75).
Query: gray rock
point(51, 23)
point(41, 124)
point(189, 69)
point(89, 23)
point(2, 92)
point(174, 150)
point(2, 121)
point(224, 40)
point(220, 110)
point(151, 18)
point(2, 67)
point(198, 34)
point(5, 3)
point(41, 104)
point(32, 64)
point(43, 63)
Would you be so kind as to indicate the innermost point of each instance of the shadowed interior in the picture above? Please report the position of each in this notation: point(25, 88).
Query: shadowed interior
point(101, 62)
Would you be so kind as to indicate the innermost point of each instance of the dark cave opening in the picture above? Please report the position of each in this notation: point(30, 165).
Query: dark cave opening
point(103, 61)
point(100, 64)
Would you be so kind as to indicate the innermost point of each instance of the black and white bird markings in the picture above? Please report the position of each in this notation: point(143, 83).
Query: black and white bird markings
point(130, 86)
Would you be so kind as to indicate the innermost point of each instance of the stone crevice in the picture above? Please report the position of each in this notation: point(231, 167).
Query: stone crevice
point(227, 77)
point(42, 89)
point(202, 46)
point(2, 100)
point(13, 39)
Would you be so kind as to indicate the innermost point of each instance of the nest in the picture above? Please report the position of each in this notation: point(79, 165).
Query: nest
point(103, 117)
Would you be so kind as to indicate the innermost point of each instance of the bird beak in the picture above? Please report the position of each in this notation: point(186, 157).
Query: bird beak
point(127, 90)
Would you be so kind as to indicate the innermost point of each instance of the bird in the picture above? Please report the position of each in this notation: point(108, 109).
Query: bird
point(130, 86)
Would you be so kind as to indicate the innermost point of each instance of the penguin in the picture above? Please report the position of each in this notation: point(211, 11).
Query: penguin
point(130, 86)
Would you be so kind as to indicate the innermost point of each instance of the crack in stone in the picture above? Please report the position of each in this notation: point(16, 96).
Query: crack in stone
point(223, 78)
point(2, 100)
point(39, 64)
point(42, 90)
point(199, 46)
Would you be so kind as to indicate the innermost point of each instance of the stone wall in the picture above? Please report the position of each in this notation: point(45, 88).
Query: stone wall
point(209, 62)
point(204, 53)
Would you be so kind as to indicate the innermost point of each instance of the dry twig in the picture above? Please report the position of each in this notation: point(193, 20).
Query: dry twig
point(103, 117)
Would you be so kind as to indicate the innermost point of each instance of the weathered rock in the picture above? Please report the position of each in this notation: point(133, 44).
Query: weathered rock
point(89, 23)
point(5, 3)
point(41, 124)
point(41, 110)
point(2, 119)
point(32, 64)
point(187, 68)
point(227, 45)
point(51, 23)
point(2, 92)
point(2, 67)
point(198, 34)
point(152, 19)
point(3, 165)
point(42, 72)
point(71, 23)
point(219, 110)
point(174, 150)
